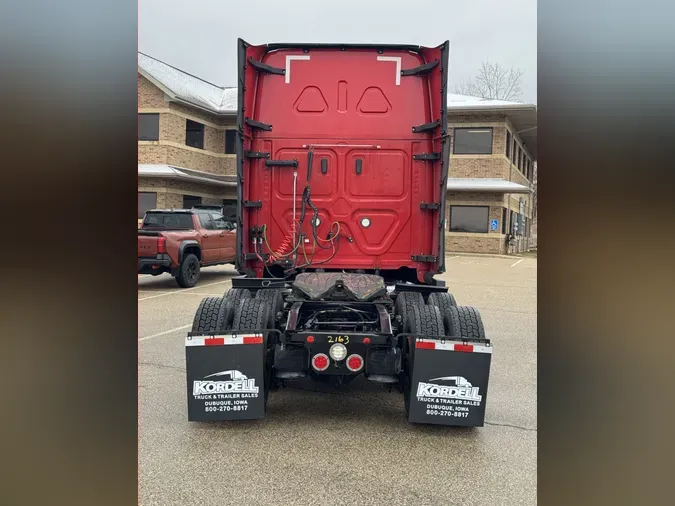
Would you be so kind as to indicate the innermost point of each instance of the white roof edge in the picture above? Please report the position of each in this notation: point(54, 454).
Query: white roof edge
point(486, 185)
point(170, 172)
point(493, 107)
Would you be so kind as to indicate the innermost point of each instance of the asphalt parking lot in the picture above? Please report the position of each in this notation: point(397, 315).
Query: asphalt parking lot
point(350, 445)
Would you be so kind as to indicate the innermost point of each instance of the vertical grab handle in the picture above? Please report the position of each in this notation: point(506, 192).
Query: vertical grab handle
point(359, 166)
point(324, 166)
point(310, 159)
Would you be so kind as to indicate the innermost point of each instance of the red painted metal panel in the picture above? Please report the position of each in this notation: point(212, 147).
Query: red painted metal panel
point(353, 109)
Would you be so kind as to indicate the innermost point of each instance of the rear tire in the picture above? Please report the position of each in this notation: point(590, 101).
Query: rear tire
point(188, 271)
point(276, 302)
point(212, 315)
point(426, 321)
point(251, 314)
point(466, 322)
point(442, 300)
point(236, 295)
point(405, 301)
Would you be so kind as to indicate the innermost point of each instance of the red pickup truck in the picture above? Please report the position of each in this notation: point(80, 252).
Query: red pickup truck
point(182, 241)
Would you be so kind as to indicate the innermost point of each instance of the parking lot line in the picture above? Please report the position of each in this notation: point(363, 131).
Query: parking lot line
point(165, 332)
point(513, 265)
point(183, 291)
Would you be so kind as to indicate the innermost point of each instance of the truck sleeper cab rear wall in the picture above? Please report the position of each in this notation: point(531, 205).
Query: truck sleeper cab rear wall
point(366, 141)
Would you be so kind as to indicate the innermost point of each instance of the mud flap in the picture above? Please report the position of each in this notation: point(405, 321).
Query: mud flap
point(449, 382)
point(225, 377)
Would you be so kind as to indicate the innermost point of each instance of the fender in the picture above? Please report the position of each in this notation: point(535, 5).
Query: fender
point(185, 244)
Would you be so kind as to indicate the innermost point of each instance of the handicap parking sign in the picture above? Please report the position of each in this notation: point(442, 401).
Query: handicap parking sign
point(494, 225)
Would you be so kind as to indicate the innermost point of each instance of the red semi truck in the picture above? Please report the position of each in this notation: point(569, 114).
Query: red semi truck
point(342, 165)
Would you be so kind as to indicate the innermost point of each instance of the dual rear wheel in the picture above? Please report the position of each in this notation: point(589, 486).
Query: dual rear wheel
point(239, 310)
point(440, 316)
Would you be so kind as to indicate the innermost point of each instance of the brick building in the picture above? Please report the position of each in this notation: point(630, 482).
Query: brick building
point(186, 156)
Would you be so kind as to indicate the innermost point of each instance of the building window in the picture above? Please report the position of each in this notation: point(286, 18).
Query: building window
point(148, 127)
point(520, 158)
point(473, 141)
point(230, 138)
point(527, 168)
point(230, 209)
point(189, 201)
point(469, 219)
point(508, 144)
point(146, 201)
point(515, 151)
point(194, 134)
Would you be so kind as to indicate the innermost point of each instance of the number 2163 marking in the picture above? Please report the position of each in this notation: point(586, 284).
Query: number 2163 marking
point(338, 339)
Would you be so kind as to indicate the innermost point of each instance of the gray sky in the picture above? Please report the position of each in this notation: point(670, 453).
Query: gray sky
point(200, 36)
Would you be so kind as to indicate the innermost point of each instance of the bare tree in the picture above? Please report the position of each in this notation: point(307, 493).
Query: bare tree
point(494, 82)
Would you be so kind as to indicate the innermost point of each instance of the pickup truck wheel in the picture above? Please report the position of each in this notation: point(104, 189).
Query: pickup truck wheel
point(405, 301)
point(466, 322)
point(211, 315)
point(188, 271)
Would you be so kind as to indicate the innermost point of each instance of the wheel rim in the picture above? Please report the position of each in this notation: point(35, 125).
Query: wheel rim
point(192, 271)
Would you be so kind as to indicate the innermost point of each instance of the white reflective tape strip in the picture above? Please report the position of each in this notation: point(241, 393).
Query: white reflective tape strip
point(450, 345)
point(228, 339)
point(396, 59)
point(289, 59)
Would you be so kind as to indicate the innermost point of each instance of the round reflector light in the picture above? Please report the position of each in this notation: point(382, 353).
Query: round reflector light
point(338, 352)
point(354, 363)
point(310, 339)
point(365, 222)
point(320, 362)
point(366, 340)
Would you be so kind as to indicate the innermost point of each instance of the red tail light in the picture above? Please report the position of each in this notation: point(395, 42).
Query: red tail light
point(320, 362)
point(161, 245)
point(354, 363)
